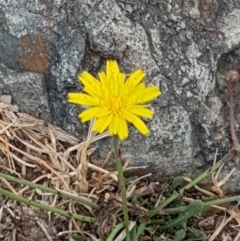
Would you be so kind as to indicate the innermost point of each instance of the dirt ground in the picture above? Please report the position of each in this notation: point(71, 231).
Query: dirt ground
point(43, 154)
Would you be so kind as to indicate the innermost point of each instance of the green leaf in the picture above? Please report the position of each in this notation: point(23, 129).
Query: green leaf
point(133, 234)
point(141, 229)
point(195, 234)
point(179, 235)
point(177, 182)
point(191, 210)
point(77, 237)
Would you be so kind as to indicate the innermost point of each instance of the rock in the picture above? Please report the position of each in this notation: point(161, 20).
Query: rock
point(6, 99)
point(186, 49)
point(28, 91)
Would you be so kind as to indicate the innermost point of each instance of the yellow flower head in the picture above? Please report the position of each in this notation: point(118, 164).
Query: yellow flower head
point(115, 100)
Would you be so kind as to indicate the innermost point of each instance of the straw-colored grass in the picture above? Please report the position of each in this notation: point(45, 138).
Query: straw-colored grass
point(40, 152)
point(44, 154)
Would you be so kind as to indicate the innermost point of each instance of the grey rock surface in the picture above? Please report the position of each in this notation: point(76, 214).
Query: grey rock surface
point(28, 91)
point(186, 48)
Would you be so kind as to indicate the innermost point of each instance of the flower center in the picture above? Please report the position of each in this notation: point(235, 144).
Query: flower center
point(116, 104)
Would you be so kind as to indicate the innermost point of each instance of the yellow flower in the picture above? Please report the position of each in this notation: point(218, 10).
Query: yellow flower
point(115, 100)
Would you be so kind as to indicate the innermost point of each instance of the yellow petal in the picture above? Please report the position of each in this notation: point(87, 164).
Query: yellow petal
point(88, 79)
point(113, 66)
point(136, 121)
point(121, 79)
point(91, 85)
point(113, 126)
point(105, 87)
point(82, 99)
point(117, 83)
point(122, 128)
point(113, 84)
point(132, 93)
point(94, 112)
point(148, 94)
point(141, 111)
point(103, 78)
point(135, 78)
point(112, 73)
point(102, 123)
point(93, 92)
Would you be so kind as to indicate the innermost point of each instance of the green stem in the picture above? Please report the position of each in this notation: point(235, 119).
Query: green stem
point(155, 211)
point(180, 209)
point(141, 229)
point(49, 190)
point(221, 201)
point(232, 78)
point(46, 207)
point(231, 118)
point(122, 184)
point(115, 231)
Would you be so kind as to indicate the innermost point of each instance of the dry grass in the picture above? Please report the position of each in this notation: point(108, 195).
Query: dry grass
point(45, 154)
